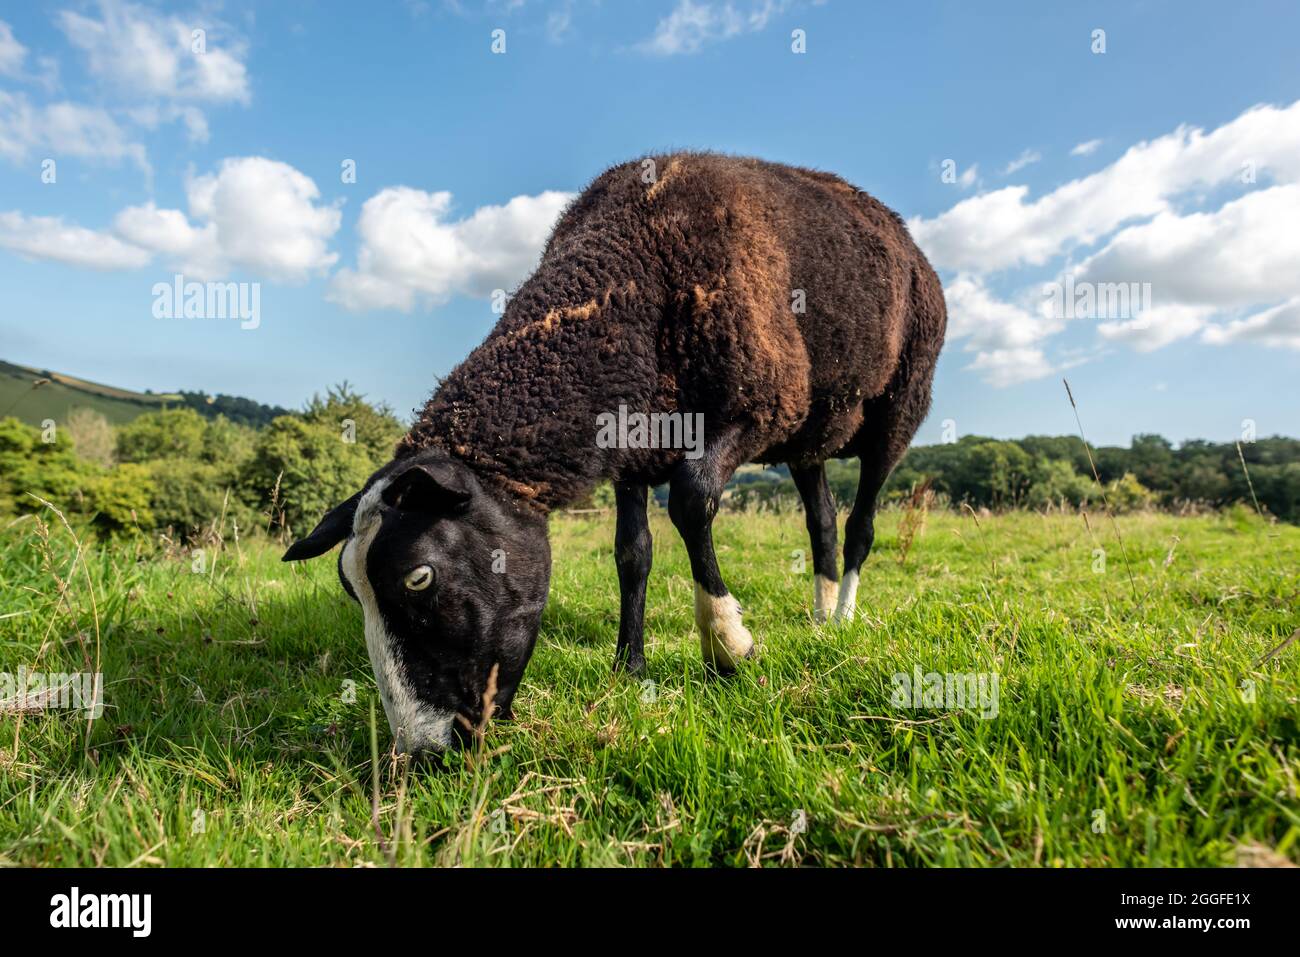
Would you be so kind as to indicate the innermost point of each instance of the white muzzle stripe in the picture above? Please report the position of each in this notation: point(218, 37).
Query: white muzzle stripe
point(415, 725)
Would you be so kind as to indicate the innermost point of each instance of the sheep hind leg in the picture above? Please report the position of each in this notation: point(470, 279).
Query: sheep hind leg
point(632, 556)
point(890, 422)
point(819, 515)
point(860, 531)
point(694, 492)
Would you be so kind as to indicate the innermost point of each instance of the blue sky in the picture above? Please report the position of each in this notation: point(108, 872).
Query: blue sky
point(1172, 158)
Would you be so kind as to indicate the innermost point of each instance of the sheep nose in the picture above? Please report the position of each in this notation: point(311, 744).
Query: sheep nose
point(427, 759)
point(462, 737)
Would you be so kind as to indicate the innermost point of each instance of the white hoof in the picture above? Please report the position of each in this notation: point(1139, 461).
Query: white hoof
point(723, 639)
point(848, 600)
point(824, 591)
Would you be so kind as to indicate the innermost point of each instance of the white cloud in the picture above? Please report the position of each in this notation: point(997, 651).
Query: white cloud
point(987, 322)
point(12, 53)
point(1247, 252)
point(148, 63)
point(1003, 229)
point(152, 228)
point(13, 62)
point(144, 53)
point(1005, 337)
point(1155, 222)
point(254, 214)
point(411, 253)
point(266, 217)
point(19, 127)
point(1005, 367)
point(1086, 148)
point(1156, 327)
point(691, 26)
point(50, 238)
point(1278, 326)
point(1020, 162)
point(152, 115)
point(63, 129)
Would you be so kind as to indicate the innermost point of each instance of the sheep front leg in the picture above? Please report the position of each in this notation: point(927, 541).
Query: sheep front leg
point(694, 492)
point(632, 555)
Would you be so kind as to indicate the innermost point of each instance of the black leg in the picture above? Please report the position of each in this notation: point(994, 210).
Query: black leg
point(889, 421)
point(860, 532)
point(694, 492)
point(819, 513)
point(632, 555)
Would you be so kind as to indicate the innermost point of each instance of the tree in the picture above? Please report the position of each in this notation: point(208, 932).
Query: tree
point(119, 499)
point(995, 474)
point(373, 427)
point(168, 433)
point(304, 469)
point(1151, 460)
point(188, 496)
point(30, 465)
point(228, 446)
point(1055, 482)
point(92, 436)
point(1127, 494)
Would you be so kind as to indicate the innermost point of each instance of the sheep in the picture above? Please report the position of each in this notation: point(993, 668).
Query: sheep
point(787, 312)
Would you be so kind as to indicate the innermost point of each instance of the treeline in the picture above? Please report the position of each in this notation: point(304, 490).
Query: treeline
point(235, 408)
point(177, 470)
point(1054, 471)
point(193, 474)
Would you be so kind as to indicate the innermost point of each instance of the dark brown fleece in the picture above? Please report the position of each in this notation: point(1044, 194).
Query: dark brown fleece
point(677, 295)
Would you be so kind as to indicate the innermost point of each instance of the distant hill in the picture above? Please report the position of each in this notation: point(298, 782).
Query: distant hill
point(34, 395)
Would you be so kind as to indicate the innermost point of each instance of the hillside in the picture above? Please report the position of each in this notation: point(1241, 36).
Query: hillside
point(33, 395)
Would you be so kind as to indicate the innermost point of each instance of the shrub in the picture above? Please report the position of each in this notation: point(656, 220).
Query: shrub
point(119, 499)
point(346, 413)
point(227, 445)
point(996, 474)
point(189, 496)
point(1127, 494)
point(92, 437)
point(312, 466)
point(190, 463)
point(168, 433)
point(1055, 482)
point(29, 464)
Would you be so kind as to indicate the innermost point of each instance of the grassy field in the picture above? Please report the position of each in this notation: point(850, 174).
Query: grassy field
point(1140, 720)
point(60, 394)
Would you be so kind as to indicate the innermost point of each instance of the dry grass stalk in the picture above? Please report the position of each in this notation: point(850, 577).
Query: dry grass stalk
point(1104, 500)
point(913, 521)
point(478, 754)
point(1249, 484)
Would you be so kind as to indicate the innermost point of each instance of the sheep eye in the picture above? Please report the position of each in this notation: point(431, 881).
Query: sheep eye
point(419, 578)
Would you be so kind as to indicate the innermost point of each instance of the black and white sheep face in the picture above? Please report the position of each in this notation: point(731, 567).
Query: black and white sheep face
point(451, 584)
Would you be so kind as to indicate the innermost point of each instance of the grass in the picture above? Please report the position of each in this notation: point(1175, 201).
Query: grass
point(239, 708)
point(58, 396)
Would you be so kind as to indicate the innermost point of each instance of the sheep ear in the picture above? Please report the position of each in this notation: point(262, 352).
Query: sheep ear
point(332, 529)
point(433, 487)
